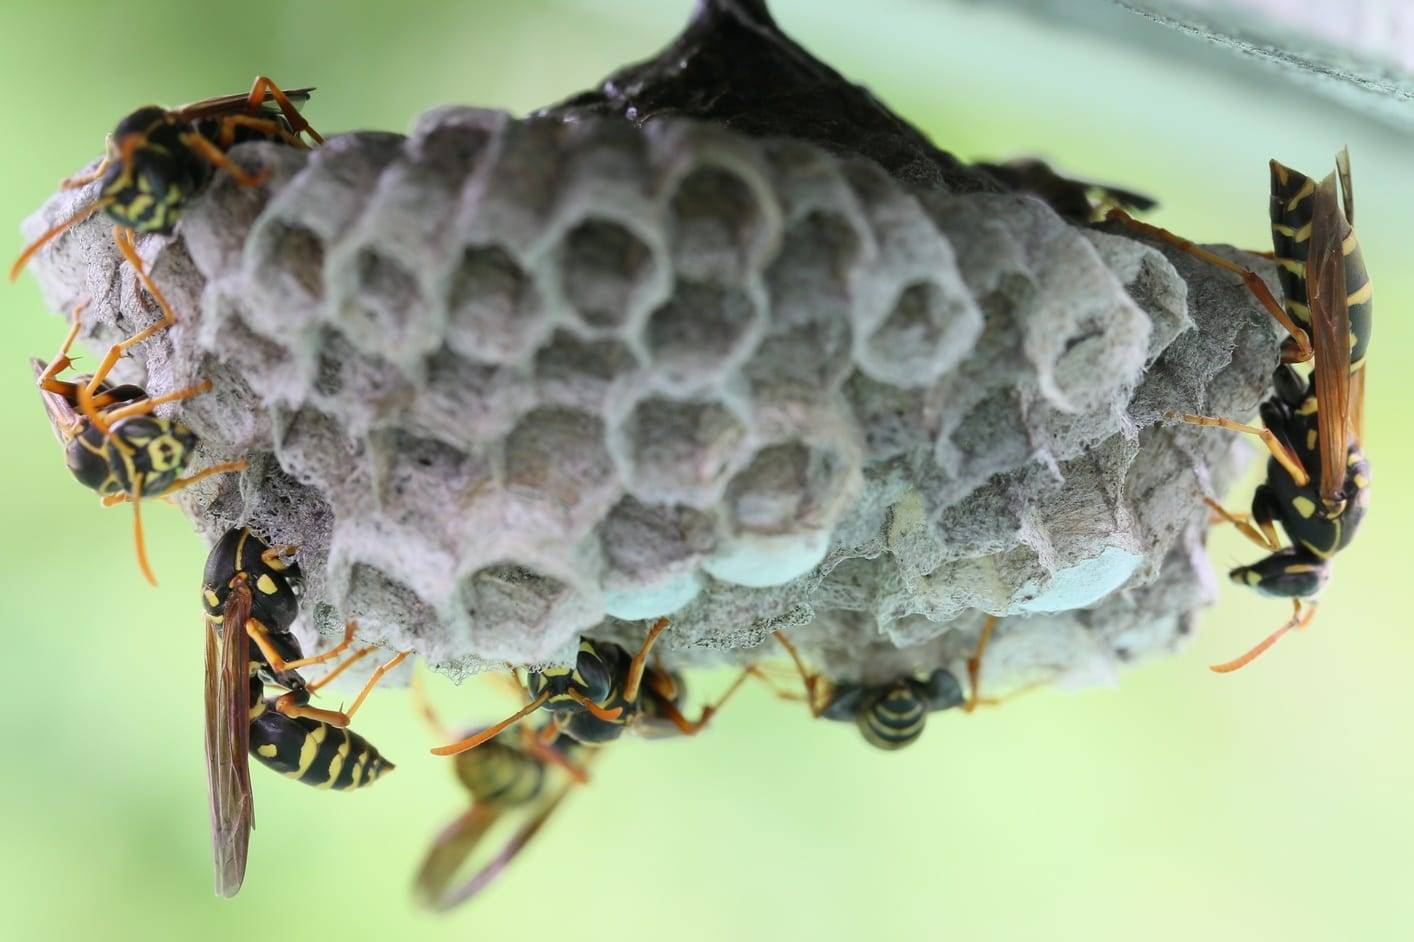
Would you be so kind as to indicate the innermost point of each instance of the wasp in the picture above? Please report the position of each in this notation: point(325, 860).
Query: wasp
point(113, 443)
point(507, 779)
point(251, 593)
point(889, 715)
point(157, 159)
point(1317, 485)
point(606, 692)
point(1077, 200)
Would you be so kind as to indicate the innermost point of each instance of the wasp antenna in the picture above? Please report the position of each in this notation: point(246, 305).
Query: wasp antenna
point(142, 562)
point(491, 732)
point(1298, 619)
point(78, 216)
point(595, 709)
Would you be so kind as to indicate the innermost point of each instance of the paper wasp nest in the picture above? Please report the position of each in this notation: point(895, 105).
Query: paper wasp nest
point(508, 381)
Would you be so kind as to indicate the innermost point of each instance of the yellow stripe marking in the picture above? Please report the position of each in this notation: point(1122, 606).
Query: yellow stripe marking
point(1292, 265)
point(1303, 233)
point(1299, 311)
point(308, 750)
point(1304, 506)
point(1280, 229)
point(1361, 294)
point(266, 585)
point(269, 750)
point(1306, 190)
point(336, 764)
point(1349, 244)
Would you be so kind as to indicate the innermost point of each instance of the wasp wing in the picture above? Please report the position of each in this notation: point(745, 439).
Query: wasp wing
point(234, 104)
point(455, 844)
point(228, 742)
point(1330, 332)
point(1347, 190)
point(62, 414)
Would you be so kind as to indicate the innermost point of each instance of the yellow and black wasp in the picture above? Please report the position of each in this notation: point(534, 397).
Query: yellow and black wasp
point(1318, 479)
point(606, 692)
point(1077, 200)
point(157, 159)
point(508, 779)
point(890, 715)
point(251, 595)
point(112, 441)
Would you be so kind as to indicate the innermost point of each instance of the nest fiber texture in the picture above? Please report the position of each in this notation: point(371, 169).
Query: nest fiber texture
point(502, 379)
point(510, 381)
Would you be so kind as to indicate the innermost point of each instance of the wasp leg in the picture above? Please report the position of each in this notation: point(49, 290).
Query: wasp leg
point(264, 86)
point(1301, 349)
point(635, 668)
point(424, 706)
point(974, 663)
point(292, 705)
point(1299, 619)
point(811, 680)
point(342, 666)
point(53, 232)
point(1279, 449)
point(548, 754)
point(218, 159)
point(373, 680)
point(491, 732)
point(268, 126)
point(261, 636)
point(124, 240)
point(84, 179)
point(141, 543)
point(1266, 537)
point(686, 726)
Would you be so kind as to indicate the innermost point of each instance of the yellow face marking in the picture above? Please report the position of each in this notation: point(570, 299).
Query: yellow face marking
point(1360, 296)
point(266, 585)
point(268, 750)
point(1304, 506)
point(165, 453)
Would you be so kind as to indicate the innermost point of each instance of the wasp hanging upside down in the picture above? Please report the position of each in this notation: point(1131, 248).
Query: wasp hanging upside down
point(157, 159)
point(1318, 480)
point(606, 692)
point(112, 441)
point(251, 595)
point(507, 779)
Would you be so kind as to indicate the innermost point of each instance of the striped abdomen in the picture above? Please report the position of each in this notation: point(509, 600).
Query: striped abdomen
point(1291, 207)
point(501, 775)
point(894, 718)
point(313, 752)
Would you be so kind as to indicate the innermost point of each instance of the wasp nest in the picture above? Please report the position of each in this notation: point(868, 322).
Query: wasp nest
point(510, 381)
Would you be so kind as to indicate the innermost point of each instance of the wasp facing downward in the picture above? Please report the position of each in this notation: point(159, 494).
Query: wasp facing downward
point(251, 595)
point(113, 443)
point(606, 692)
point(1317, 478)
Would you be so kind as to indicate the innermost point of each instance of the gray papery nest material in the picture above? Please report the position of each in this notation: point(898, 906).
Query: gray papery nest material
point(506, 381)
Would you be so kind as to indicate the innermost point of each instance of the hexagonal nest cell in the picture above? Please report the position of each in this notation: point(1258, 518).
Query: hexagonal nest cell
point(710, 356)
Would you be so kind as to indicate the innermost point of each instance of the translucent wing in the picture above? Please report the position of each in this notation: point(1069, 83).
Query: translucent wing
point(1330, 332)
point(455, 845)
point(1347, 190)
point(228, 742)
point(232, 104)
point(61, 412)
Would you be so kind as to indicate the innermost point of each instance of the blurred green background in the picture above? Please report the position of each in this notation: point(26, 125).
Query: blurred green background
point(1271, 803)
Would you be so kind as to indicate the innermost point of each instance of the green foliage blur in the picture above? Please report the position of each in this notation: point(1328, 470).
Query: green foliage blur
point(1273, 803)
